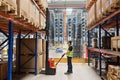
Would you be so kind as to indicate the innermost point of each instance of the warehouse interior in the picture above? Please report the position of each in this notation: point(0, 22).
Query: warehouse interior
point(34, 36)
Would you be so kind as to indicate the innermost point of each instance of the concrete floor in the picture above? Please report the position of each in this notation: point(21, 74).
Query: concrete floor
point(80, 72)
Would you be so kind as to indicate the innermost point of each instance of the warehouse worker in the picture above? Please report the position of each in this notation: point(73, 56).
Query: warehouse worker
point(69, 54)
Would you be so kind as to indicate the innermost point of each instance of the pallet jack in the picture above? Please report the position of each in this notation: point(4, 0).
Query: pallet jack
point(52, 66)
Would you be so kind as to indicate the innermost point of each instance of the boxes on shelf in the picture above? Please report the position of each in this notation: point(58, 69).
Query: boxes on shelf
point(28, 11)
point(106, 42)
point(114, 4)
point(23, 9)
point(3, 70)
point(9, 6)
point(88, 20)
point(92, 14)
point(42, 4)
point(113, 72)
point(105, 7)
point(31, 44)
point(99, 15)
point(42, 22)
point(89, 2)
point(115, 43)
point(34, 14)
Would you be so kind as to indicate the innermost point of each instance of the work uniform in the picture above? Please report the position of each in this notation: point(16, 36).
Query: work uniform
point(69, 59)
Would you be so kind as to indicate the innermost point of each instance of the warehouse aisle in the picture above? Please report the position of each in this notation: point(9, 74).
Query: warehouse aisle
point(81, 72)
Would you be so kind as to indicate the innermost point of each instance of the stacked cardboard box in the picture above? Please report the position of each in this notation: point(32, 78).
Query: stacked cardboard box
point(113, 72)
point(92, 16)
point(9, 6)
point(3, 70)
point(115, 43)
point(42, 4)
point(89, 3)
point(99, 10)
point(23, 8)
point(27, 55)
point(42, 21)
point(103, 8)
point(44, 52)
point(34, 14)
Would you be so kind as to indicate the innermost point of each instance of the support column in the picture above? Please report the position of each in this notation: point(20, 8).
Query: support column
point(117, 34)
point(10, 50)
point(88, 47)
point(99, 40)
point(47, 41)
point(19, 52)
point(36, 52)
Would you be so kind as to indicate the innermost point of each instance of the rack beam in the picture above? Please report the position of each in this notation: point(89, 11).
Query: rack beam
point(105, 51)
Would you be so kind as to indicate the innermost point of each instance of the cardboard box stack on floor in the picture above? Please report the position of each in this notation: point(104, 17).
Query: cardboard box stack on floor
point(113, 72)
point(27, 55)
point(44, 52)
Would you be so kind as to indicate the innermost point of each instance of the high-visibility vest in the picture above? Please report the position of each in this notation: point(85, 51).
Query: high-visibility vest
point(70, 54)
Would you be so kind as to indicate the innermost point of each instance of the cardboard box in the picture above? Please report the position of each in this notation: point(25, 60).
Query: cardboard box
point(92, 14)
point(31, 44)
point(105, 6)
point(99, 10)
point(3, 71)
point(115, 43)
point(42, 22)
point(23, 7)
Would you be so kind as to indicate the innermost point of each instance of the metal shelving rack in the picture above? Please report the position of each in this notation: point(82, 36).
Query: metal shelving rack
point(110, 21)
point(9, 26)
